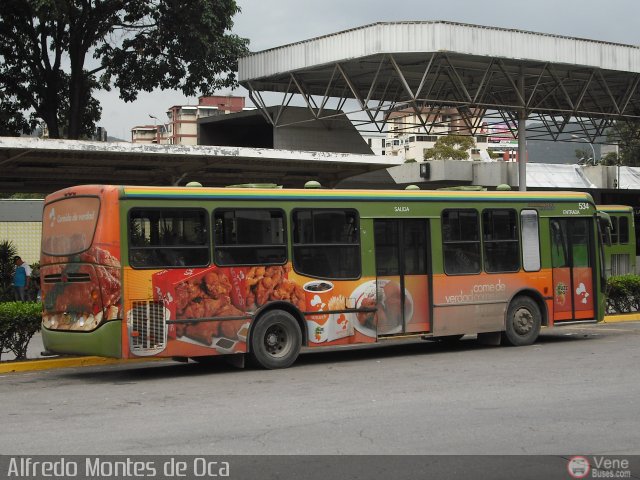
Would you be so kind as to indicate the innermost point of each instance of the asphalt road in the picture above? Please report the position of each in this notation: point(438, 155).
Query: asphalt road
point(576, 391)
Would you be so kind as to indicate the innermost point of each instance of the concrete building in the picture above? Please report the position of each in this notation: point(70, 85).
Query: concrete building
point(300, 131)
point(411, 134)
point(145, 134)
point(181, 125)
point(21, 224)
point(376, 142)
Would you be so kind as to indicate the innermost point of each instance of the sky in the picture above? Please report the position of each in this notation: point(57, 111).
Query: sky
point(273, 23)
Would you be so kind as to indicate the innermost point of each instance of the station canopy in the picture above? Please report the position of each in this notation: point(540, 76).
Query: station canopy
point(568, 88)
point(34, 165)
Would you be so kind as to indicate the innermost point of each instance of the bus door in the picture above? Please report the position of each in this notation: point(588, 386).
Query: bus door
point(402, 282)
point(572, 263)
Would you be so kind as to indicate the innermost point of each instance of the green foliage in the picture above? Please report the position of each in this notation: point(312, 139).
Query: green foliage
point(19, 321)
point(7, 266)
point(34, 284)
point(583, 153)
point(609, 159)
point(623, 294)
point(450, 147)
point(627, 135)
point(54, 55)
point(12, 122)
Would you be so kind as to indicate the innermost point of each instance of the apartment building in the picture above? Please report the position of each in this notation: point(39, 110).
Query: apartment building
point(406, 135)
point(180, 126)
point(146, 134)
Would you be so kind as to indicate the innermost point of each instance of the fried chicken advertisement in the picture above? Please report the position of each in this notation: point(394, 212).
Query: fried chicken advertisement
point(270, 283)
point(214, 293)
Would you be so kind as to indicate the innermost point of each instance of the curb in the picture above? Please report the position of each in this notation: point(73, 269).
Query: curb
point(47, 364)
point(624, 317)
point(68, 362)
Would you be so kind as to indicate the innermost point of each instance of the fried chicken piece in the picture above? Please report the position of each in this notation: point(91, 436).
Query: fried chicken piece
point(193, 310)
point(203, 332)
point(367, 319)
point(229, 329)
point(186, 293)
point(213, 306)
point(181, 328)
point(217, 284)
point(254, 275)
point(229, 311)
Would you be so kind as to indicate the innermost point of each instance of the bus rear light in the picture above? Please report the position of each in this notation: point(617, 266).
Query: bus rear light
point(135, 333)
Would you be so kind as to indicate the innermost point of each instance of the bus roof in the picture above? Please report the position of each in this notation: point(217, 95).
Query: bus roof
point(350, 195)
point(614, 208)
point(221, 193)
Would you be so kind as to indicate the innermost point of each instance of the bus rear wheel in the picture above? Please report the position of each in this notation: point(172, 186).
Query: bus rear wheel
point(523, 322)
point(275, 340)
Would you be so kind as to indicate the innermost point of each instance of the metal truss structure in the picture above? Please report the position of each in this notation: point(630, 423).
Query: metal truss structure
point(559, 102)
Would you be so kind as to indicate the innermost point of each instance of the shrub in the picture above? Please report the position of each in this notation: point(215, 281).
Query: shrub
point(7, 252)
point(623, 294)
point(19, 321)
point(34, 285)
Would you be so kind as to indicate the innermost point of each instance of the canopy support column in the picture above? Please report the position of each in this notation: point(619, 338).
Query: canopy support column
point(522, 136)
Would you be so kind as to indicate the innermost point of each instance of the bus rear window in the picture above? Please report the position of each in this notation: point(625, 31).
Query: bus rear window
point(68, 225)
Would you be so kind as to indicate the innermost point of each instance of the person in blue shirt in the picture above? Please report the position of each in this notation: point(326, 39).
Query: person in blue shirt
point(21, 279)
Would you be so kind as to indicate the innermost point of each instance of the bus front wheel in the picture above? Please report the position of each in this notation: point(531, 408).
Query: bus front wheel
point(275, 340)
point(523, 322)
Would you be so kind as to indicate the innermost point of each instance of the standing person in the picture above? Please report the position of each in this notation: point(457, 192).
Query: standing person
point(21, 279)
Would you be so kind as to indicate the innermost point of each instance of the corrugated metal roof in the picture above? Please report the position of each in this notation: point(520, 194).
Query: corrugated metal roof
point(543, 175)
point(436, 36)
point(629, 178)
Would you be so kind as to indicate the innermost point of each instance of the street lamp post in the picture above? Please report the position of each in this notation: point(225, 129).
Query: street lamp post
point(593, 150)
point(158, 132)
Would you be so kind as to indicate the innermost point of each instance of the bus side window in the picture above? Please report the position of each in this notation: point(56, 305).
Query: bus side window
point(500, 240)
point(623, 230)
point(614, 229)
point(254, 236)
point(530, 240)
point(326, 243)
point(461, 241)
point(168, 237)
point(559, 255)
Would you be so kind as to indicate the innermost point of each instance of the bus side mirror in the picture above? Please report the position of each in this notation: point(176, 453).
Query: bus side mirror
point(605, 227)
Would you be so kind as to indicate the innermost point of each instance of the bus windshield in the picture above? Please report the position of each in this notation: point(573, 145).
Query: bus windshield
point(69, 225)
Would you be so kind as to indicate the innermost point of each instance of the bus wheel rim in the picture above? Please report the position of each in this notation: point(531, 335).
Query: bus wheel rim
point(276, 341)
point(522, 321)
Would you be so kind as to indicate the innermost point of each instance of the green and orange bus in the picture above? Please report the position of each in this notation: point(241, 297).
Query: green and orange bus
point(192, 272)
point(620, 252)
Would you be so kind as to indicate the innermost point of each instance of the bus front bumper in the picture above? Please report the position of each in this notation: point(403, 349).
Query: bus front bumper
point(105, 341)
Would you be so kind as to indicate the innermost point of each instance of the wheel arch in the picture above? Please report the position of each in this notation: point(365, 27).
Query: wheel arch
point(536, 297)
point(284, 306)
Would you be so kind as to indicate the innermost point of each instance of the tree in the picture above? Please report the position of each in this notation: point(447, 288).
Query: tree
point(55, 53)
point(582, 154)
point(627, 135)
point(7, 266)
point(12, 122)
point(454, 147)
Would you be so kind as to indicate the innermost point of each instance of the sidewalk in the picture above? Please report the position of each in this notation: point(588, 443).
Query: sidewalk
point(35, 361)
point(34, 349)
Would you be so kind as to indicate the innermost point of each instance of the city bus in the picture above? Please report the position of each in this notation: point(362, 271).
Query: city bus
point(194, 272)
point(620, 252)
